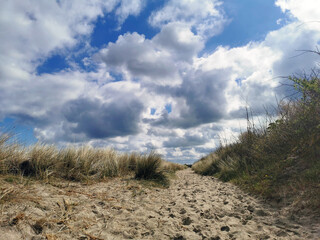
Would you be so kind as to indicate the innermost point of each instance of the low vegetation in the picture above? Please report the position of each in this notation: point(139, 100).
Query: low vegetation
point(42, 161)
point(282, 160)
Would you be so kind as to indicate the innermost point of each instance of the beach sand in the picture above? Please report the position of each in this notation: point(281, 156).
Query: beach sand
point(193, 207)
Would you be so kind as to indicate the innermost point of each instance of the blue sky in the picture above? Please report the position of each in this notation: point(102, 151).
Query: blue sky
point(171, 75)
point(250, 21)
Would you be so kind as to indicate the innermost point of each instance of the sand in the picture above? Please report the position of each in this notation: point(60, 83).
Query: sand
point(193, 207)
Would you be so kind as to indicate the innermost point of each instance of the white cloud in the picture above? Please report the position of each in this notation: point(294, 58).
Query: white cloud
point(205, 16)
point(305, 11)
point(37, 95)
point(137, 57)
point(251, 66)
point(178, 39)
point(32, 30)
point(129, 7)
point(291, 41)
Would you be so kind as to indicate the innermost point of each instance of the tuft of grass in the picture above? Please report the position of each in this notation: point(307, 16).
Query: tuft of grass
point(149, 167)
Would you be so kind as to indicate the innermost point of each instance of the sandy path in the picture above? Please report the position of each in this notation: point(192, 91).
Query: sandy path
point(194, 207)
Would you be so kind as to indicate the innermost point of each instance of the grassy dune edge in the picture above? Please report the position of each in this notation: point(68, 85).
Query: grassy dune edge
point(281, 161)
point(42, 162)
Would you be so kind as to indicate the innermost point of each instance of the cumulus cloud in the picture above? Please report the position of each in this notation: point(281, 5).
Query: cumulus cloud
point(107, 111)
point(102, 120)
point(34, 30)
point(134, 55)
point(40, 97)
point(205, 16)
point(249, 79)
point(291, 41)
point(199, 99)
point(186, 140)
point(44, 27)
point(129, 7)
point(305, 11)
point(177, 38)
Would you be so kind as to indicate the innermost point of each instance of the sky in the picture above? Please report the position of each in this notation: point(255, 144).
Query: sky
point(173, 76)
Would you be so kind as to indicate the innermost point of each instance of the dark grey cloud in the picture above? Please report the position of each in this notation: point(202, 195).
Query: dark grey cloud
point(187, 140)
point(102, 120)
point(203, 93)
point(161, 132)
point(27, 119)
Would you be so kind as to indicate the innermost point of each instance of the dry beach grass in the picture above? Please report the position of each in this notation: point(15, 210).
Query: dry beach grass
point(84, 163)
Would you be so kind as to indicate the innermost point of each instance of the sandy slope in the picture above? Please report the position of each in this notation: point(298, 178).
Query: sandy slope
point(194, 207)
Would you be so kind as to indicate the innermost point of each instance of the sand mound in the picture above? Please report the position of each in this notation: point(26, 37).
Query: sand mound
point(193, 207)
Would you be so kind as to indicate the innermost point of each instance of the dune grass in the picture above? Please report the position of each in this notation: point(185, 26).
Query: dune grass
point(42, 161)
point(280, 161)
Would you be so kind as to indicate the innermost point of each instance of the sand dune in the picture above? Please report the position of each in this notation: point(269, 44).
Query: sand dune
point(193, 207)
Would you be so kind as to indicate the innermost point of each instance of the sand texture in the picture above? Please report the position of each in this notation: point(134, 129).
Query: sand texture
point(193, 207)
